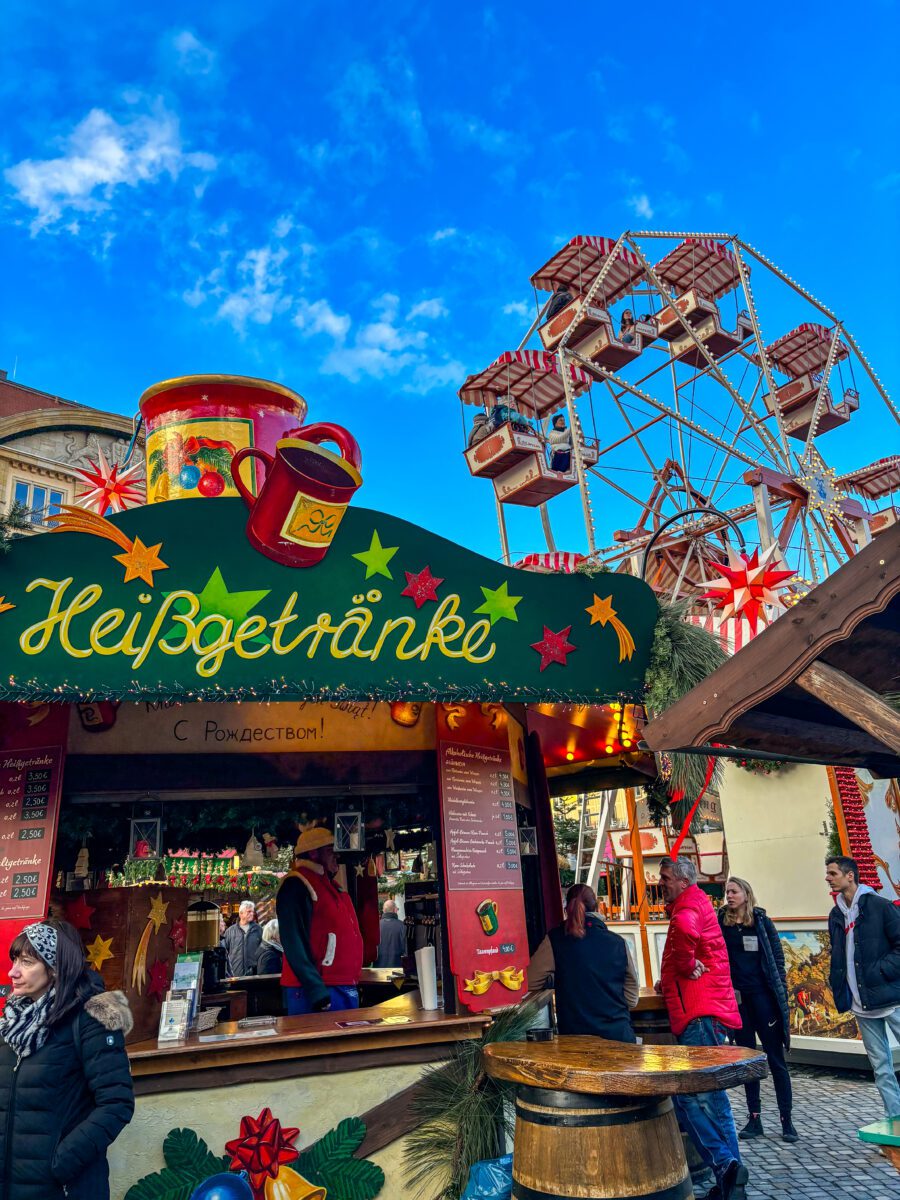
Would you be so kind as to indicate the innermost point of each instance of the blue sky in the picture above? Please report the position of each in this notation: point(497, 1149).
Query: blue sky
point(350, 199)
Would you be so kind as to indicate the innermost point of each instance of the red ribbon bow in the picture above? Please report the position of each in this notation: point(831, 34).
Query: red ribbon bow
point(262, 1148)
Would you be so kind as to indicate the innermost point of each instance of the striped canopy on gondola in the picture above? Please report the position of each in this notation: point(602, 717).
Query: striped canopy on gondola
point(700, 263)
point(804, 349)
point(877, 479)
point(531, 377)
point(578, 263)
point(565, 561)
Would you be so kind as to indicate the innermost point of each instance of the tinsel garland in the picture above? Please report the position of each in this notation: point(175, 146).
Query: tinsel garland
point(682, 655)
point(761, 766)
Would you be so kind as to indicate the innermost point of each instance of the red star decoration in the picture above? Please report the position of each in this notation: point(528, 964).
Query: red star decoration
point(553, 647)
point(421, 587)
point(261, 1148)
point(747, 584)
point(159, 980)
point(178, 933)
point(79, 913)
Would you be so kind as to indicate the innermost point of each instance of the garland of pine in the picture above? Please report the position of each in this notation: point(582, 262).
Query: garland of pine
point(682, 655)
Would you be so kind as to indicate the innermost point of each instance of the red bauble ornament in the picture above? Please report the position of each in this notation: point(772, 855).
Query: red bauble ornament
point(211, 483)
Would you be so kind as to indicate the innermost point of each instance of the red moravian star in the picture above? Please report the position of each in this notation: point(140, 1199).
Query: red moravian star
point(553, 647)
point(421, 587)
point(111, 487)
point(747, 584)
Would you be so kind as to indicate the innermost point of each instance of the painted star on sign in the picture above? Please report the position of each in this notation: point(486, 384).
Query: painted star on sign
point(601, 610)
point(553, 647)
point(158, 910)
point(99, 951)
point(377, 557)
point(79, 913)
point(498, 603)
point(5, 605)
point(141, 561)
point(217, 601)
point(159, 980)
point(421, 587)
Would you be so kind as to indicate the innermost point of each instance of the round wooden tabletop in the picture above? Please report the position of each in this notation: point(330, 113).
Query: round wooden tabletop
point(602, 1068)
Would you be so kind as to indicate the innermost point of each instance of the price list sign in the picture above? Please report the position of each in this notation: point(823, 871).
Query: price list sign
point(481, 837)
point(29, 798)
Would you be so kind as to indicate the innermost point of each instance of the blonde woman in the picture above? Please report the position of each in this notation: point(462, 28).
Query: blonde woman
point(757, 973)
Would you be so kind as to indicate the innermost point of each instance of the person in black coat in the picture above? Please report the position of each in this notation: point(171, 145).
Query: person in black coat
point(391, 937)
point(593, 973)
point(241, 941)
point(270, 954)
point(758, 975)
point(865, 968)
point(65, 1083)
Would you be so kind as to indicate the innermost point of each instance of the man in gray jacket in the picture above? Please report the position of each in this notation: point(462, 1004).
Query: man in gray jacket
point(392, 937)
point(241, 941)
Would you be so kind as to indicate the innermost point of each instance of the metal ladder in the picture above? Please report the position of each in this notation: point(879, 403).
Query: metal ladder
point(592, 838)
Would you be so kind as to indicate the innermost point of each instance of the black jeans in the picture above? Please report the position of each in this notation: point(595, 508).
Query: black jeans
point(761, 1017)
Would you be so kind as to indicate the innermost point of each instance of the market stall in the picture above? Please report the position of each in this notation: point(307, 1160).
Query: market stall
point(186, 689)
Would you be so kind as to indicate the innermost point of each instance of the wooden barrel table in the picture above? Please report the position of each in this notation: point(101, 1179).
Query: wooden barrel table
point(595, 1119)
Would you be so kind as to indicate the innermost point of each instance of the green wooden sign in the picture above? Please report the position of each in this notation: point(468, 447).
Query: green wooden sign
point(171, 600)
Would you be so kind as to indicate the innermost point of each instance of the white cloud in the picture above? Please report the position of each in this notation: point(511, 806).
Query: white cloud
point(441, 235)
point(430, 309)
point(430, 375)
point(262, 294)
point(517, 308)
point(100, 155)
point(191, 55)
point(320, 317)
point(473, 131)
point(641, 206)
point(368, 98)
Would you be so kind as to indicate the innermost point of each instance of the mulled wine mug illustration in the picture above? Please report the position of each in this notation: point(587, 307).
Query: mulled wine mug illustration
point(489, 916)
point(304, 495)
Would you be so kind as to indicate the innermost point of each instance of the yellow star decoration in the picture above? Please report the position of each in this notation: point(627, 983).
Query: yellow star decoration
point(99, 951)
point(602, 612)
point(141, 561)
point(5, 606)
point(158, 910)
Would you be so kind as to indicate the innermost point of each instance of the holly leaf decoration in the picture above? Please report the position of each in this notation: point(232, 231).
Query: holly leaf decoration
point(329, 1163)
point(157, 466)
point(352, 1179)
point(214, 458)
point(189, 1161)
point(338, 1143)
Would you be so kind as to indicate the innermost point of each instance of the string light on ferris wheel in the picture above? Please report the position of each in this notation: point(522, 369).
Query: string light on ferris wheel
point(111, 487)
point(748, 582)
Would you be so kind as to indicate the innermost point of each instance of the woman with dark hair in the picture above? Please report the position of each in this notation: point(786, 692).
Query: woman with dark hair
point(758, 975)
point(593, 973)
point(65, 1083)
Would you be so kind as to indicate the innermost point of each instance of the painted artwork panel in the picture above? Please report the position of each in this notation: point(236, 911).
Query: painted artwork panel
point(881, 808)
point(807, 959)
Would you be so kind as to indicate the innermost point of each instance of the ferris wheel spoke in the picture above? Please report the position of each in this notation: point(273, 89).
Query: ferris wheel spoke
point(821, 527)
point(656, 474)
point(617, 487)
point(763, 433)
point(821, 394)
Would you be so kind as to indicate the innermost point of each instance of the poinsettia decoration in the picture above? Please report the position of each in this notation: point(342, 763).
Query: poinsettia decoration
point(261, 1148)
point(111, 487)
point(747, 583)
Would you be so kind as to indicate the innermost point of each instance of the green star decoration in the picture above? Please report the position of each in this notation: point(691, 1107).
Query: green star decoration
point(216, 600)
point(377, 557)
point(498, 603)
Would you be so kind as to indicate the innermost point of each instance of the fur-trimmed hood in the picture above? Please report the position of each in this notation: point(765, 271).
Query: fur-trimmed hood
point(111, 1010)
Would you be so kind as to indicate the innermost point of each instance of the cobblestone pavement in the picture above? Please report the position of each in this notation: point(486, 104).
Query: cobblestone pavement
point(829, 1162)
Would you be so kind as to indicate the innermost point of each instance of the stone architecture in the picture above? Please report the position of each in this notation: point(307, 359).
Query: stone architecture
point(43, 439)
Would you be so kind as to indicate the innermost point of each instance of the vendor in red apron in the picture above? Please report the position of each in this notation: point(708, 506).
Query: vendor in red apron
point(319, 930)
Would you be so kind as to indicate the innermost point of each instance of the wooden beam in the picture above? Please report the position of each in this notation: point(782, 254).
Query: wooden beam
point(841, 745)
point(852, 700)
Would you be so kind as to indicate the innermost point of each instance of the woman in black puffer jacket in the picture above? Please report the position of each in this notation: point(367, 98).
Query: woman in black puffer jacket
point(65, 1083)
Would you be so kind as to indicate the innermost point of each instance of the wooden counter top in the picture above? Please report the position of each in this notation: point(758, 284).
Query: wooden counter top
point(308, 1036)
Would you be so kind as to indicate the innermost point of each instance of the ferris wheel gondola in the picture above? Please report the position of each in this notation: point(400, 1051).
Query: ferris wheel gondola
point(690, 406)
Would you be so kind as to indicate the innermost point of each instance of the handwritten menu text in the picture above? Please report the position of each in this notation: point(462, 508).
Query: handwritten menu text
point(481, 837)
point(29, 795)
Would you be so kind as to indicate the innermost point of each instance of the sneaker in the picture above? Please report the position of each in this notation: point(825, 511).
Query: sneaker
point(788, 1132)
point(753, 1128)
point(734, 1182)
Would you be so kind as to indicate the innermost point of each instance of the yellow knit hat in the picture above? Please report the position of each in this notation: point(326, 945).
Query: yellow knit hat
point(313, 839)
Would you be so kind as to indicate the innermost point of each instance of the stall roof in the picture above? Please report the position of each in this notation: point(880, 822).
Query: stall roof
point(804, 349)
point(531, 376)
point(700, 263)
point(878, 479)
point(579, 261)
point(843, 641)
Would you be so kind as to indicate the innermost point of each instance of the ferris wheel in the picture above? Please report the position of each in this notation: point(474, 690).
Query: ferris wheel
point(650, 374)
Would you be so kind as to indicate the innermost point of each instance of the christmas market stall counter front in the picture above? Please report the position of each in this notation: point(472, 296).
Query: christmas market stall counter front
point(170, 691)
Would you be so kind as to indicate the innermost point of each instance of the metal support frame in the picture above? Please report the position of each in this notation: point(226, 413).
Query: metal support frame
point(820, 396)
point(592, 291)
point(577, 456)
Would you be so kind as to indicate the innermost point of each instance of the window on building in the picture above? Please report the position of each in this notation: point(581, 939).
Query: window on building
point(41, 503)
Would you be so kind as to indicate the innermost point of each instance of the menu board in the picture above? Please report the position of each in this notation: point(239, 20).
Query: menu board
point(481, 837)
point(30, 783)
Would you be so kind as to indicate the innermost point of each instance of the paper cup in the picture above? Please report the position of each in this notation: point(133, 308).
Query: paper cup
point(427, 974)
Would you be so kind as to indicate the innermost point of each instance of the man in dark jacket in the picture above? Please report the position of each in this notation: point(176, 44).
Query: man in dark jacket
point(865, 968)
point(241, 941)
point(391, 937)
